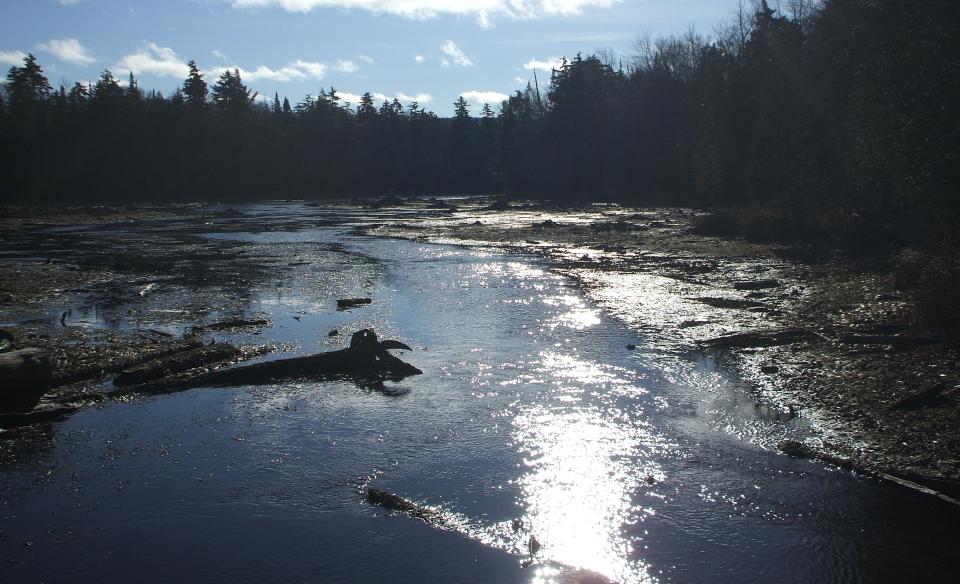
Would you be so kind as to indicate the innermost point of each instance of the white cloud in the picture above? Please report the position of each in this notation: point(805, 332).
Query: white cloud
point(346, 66)
point(420, 98)
point(419, 58)
point(451, 50)
point(69, 50)
point(519, 81)
point(296, 71)
point(482, 97)
point(380, 97)
point(547, 65)
point(366, 59)
point(220, 55)
point(483, 10)
point(153, 60)
point(12, 57)
point(347, 97)
point(69, 2)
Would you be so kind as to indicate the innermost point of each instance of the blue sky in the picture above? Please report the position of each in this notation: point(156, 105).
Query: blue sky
point(431, 50)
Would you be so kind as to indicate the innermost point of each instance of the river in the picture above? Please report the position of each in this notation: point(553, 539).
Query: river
point(532, 424)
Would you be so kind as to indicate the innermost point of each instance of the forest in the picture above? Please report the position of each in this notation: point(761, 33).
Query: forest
point(811, 118)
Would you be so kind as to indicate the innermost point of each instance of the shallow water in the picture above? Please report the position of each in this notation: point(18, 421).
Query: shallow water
point(532, 419)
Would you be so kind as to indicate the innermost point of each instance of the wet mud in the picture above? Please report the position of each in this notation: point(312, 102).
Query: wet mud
point(817, 333)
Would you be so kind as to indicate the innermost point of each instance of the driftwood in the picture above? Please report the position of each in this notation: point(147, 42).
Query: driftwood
point(176, 363)
point(728, 302)
point(41, 413)
point(796, 449)
point(759, 339)
point(231, 324)
point(346, 303)
point(895, 340)
point(926, 397)
point(367, 359)
point(756, 284)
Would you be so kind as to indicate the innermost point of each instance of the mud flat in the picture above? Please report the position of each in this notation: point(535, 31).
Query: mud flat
point(104, 292)
point(818, 333)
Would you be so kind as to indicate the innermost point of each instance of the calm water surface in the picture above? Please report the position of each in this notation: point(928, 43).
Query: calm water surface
point(532, 420)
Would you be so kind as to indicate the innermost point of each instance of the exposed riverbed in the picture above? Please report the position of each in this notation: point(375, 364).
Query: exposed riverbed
point(532, 429)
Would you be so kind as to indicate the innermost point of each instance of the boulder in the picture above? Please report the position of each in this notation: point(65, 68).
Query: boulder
point(25, 375)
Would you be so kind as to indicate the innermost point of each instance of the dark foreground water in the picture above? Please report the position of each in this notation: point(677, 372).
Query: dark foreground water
point(531, 420)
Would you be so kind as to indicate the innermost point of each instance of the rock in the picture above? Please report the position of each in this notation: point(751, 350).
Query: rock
point(796, 449)
point(769, 369)
point(498, 205)
point(41, 413)
point(346, 303)
point(25, 375)
point(631, 347)
point(333, 333)
point(693, 323)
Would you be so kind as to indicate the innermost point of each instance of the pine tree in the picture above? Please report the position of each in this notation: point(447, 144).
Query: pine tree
point(27, 88)
point(195, 88)
point(231, 95)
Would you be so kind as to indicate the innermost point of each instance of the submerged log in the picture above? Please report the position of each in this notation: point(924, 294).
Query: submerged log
point(398, 504)
point(25, 375)
point(366, 359)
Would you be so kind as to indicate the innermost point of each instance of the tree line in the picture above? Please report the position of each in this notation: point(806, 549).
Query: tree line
point(815, 113)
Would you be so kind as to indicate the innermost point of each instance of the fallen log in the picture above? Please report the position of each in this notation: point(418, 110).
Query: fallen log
point(176, 363)
point(41, 413)
point(925, 397)
point(728, 302)
point(759, 339)
point(346, 303)
point(895, 340)
point(366, 359)
point(756, 284)
point(232, 324)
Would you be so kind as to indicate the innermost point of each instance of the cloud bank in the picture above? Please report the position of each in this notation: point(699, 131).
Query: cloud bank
point(482, 10)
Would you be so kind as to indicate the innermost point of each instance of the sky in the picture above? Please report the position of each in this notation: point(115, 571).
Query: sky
point(431, 51)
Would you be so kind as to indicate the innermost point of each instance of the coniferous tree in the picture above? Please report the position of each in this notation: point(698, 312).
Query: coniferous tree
point(194, 88)
point(230, 95)
point(27, 88)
